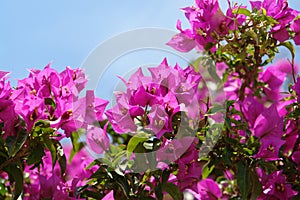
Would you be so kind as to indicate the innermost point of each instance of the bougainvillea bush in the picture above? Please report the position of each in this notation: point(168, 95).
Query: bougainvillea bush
point(169, 135)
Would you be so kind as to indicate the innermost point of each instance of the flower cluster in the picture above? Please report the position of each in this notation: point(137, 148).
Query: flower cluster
point(33, 116)
point(169, 135)
point(209, 23)
point(282, 13)
point(152, 102)
point(47, 94)
point(8, 116)
point(47, 182)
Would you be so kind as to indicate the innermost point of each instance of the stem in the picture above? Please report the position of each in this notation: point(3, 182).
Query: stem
point(293, 69)
point(24, 152)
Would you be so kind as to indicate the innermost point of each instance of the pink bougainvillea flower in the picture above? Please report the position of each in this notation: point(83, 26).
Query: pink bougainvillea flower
point(48, 183)
point(232, 24)
point(52, 187)
point(158, 120)
point(274, 78)
point(231, 88)
point(5, 89)
point(296, 157)
point(280, 11)
point(251, 109)
point(296, 87)
point(181, 42)
point(49, 95)
point(109, 196)
point(291, 136)
point(269, 123)
point(81, 113)
point(296, 28)
point(152, 101)
point(147, 96)
point(269, 148)
point(120, 118)
point(47, 82)
point(207, 189)
point(8, 116)
point(73, 81)
point(97, 139)
point(88, 108)
point(206, 20)
point(269, 128)
point(183, 152)
point(285, 66)
point(136, 80)
point(275, 186)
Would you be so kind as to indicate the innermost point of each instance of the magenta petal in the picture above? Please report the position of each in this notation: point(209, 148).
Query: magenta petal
point(269, 148)
point(296, 26)
point(297, 39)
point(280, 33)
point(269, 122)
point(255, 4)
point(251, 109)
point(121, 122)
point(296, 87)
point(109, 196)
point(181, 42)
point(296, 157)
point(97, 140)
point(209, 189)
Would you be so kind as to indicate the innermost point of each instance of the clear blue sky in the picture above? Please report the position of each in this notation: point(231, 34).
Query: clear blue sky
point(33, 33)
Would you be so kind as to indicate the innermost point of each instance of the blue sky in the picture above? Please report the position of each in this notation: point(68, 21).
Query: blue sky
point(33, 33)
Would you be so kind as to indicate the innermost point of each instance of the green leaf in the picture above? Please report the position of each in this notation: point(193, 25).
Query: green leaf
point(122, 182)
point(243, 179)
point(217, 108)
point(51, 147)
point(15, 176)
point(92, 194)
point(21, 138)
point(264, 12)
point(135, 141)
point(36, 155)
point(42, 123)
point(75, 136)
point(208, 46)
point(196, 64)
point(10, 143)
point(227, 156)
point(77, 146)
point(3, 189)
point(50, 102)
point(207, 170)
point(114, 149)
point(230, 103)
point(173, 190)
point(290, 47)
point(256, 188)
point(228, 122)
point(165, 176)
point(118, 158)
point(62, 161)
point(41, 128)
point(159, 192)
point(241, 11)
